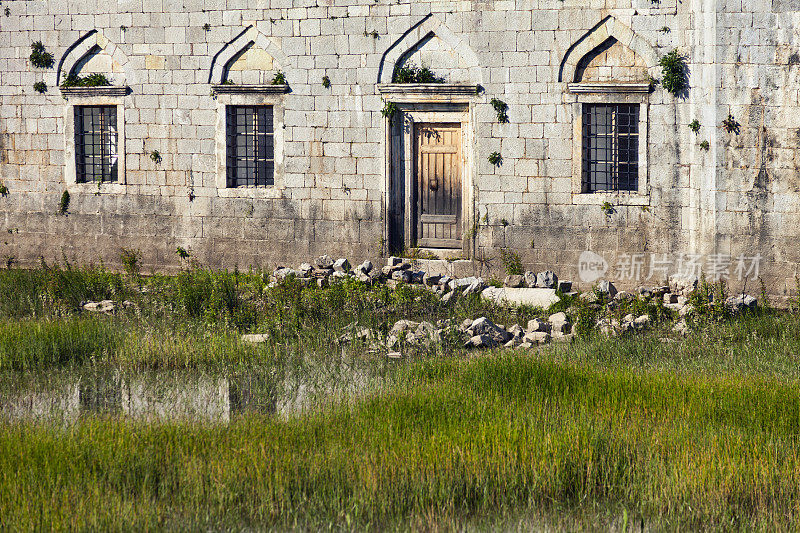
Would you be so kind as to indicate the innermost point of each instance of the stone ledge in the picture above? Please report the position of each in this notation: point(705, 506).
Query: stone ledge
point(608, 87)
point(250, 89)
point(94, 91)
point(402, 92)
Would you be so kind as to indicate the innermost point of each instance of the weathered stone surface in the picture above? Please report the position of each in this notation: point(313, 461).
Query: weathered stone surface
point(535, 297)
point(341, 265)
point(564, 286)
point(606, 287)
point(105, 306)
point(739, 303)
point(547, 279)
point(514, 281)
point(255, 338)
point(537, 325)
point(325, 261)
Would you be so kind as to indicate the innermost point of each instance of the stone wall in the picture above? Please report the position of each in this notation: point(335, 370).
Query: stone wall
point(332, 189)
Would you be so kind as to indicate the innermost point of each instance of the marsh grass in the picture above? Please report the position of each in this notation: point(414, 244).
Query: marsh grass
point(461, 440)
point(673, 433)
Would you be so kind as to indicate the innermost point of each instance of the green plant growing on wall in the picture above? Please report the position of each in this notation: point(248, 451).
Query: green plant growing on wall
point(40, 87)
point(8, 12)
point(665, 29)
point(504, 222)
point(155, 157)
point(694, 125)
point(607, 208)
point(673, 73)
point(731, 125)
point(123, 28)
point(130, 261)
point(705, 146)
point(3, 190)
point(279, 79)
point(501, 108)
point(496, 159)
point(206, 27)
point(41, 58)
point(410, 73)
point(326, 82)
point(374, 34)
point(182, 252)
point(63, 204)
point(511, 262)
point(92, 80)
point(389, 109)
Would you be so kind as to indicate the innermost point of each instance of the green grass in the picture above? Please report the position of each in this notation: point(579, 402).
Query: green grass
point(461, 440)
point(698, 433)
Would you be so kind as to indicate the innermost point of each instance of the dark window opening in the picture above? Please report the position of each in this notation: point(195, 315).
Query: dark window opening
point(250, 146)
point(610, 147)
point(95, 144)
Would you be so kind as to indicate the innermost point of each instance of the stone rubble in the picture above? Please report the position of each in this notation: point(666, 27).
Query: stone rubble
point(531, 288)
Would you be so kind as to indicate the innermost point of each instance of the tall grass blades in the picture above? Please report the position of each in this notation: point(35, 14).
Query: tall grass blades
point(37, 345)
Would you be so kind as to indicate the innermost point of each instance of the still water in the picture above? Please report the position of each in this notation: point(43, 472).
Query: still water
point(182, 395)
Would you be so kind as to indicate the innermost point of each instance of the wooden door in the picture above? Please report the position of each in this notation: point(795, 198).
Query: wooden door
point(438, 185)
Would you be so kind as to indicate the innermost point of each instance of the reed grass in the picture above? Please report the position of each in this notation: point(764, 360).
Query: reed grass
point(460, 440)
point(669, 433)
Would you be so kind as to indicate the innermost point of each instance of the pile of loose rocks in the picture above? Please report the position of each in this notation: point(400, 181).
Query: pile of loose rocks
point(325, 269)
point(479, 333)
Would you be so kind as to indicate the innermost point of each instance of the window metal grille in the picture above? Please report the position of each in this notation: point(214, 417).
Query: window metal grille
point(95, 144)
point(610, 147)
point(250, 140)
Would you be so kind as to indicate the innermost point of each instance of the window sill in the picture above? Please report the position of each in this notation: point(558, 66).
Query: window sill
point(260, 193)
point(91, 188)
point(614, 198)
point(449, 92)
point(250, 89)
point(66, 92)
point(608, 87)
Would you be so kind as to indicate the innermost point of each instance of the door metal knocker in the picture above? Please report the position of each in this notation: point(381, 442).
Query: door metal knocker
point(434, 184)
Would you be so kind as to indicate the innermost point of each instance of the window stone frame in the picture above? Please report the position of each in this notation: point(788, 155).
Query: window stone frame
point(241, 95)
point(94, 96)
point(610, 93)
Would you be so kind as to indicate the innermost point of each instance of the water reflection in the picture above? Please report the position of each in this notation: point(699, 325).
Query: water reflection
point(69, 395)
point(145, 396)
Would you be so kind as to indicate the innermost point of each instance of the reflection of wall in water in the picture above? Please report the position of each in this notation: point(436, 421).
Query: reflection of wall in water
point(148, 396)
point(60, 403)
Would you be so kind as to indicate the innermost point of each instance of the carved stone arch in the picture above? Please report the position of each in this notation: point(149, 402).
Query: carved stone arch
point(94, 43)
point(248, 39)
point(606, 34)
point(418, 34)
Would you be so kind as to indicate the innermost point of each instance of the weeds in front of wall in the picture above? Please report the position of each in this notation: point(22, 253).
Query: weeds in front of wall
point(501, 108)
point(40, 57)
point(92, 80)
point(607, 208)
point(674, 77)
point(389, 109)
point(63, 204)
point(130, 261)
point(731, 125)
point(279, 79)
point(410, 73)
point(511, 262)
